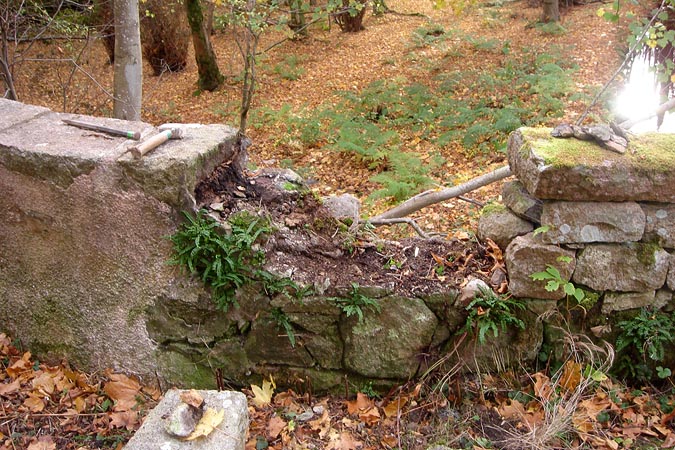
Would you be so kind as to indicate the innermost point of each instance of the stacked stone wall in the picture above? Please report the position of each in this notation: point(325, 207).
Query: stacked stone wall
point(605, 221)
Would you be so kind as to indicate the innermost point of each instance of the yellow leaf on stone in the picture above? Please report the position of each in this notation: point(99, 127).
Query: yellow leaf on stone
point(209, 422)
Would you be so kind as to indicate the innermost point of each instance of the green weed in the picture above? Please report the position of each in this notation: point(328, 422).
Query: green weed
point(226, 257)
point(491, 312)
point(642, 343)
point(356, 302)
point(289, 69)
point(283, 322)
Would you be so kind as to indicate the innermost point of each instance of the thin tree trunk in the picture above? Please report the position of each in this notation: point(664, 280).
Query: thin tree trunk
point(431, 197)
point(5, 70)
point(128, 76)
point(207, 66)
point(551, 11)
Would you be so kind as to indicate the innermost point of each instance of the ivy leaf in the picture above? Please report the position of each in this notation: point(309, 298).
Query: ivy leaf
point(569, 289)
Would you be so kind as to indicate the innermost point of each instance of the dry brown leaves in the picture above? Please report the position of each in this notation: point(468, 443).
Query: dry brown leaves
point(47, 407)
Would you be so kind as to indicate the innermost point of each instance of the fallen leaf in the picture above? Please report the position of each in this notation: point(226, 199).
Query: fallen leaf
point(43, 443)
point(571, 376)
point(123, 390)
point(361, 403)
point(343, 441)
point(511, 410)
point(262, 396)
point(209, 421)
point(192, 398)
point(274, 427)
point(370, 416)
point(395, 406)
point(10, 388)
point(542, 386)
point(34, 402)
point(22, 365)
point(124, 419)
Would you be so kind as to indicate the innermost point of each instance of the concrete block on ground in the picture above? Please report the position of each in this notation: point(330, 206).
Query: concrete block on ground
point(229, 435)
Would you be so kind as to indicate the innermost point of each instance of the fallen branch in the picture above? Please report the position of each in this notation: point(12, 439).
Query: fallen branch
point(406, 220)
point(626, 125)
point(432, 197)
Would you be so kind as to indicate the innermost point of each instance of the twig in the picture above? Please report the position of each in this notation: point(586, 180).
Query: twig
point(472, 201)
point(629, 55)
point(406, 220)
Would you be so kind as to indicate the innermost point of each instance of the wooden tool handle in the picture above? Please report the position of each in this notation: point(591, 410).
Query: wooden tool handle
point(137, 151)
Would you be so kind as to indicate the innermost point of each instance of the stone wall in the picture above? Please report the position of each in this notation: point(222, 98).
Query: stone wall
point(607, 223)
point(84, 273)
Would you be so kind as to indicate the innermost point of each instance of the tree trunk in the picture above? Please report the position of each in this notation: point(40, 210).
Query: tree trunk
point(209, 74)
point(297, 18)
point(128, 76)
point(551, 11)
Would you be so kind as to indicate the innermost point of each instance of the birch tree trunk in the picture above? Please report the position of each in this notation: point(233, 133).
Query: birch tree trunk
point(128, 76)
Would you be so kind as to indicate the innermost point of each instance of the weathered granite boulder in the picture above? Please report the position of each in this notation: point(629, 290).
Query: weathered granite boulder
point(527, 255)
point(500, 225)
point(574, 170)
point(393, 338)
point(518, 200)
point(634, 267)
point(671, 273)
point(344, 206)
point(587, 222)
point(660, 224)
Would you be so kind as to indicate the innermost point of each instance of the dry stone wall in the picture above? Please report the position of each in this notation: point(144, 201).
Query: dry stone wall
point(607, 221)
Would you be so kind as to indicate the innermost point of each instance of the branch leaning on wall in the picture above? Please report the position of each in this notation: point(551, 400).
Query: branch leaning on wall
point(428, 198)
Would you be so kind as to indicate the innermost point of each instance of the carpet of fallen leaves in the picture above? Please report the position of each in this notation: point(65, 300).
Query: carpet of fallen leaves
point(47, 407)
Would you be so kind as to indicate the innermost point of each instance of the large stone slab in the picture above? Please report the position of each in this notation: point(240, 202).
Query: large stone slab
point(660, 224)
point(501, 225)
point(634, 267)
point(518, 200)
point(621, 301)
point(570, 169)
point(229, 435)
point(12, 113)
point(588, 222)
point(527, 255)
point(393, 339)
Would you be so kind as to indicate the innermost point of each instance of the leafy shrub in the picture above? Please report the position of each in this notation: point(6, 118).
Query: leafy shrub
point(491, 312)
point(642, 343)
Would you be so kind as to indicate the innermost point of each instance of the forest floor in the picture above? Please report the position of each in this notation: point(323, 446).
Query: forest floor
point(49, 407)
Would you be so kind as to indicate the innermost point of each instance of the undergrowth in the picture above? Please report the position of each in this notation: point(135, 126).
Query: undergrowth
point(398, 128)
point(227, 256)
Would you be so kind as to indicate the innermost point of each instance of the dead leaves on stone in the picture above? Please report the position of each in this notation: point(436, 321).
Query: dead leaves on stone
point(49, 407)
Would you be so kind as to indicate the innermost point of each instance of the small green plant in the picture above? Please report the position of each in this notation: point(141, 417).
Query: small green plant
point(228, 256)
point(491, 312)
point(369, 391)
point(282, 321)
point(554, 281)
point(288, 69)
point(356, 302)
point(642, 342)
point(223, 260)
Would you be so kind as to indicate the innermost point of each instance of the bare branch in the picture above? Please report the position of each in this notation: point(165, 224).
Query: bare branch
point(407, 220)
point(431, 197)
